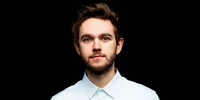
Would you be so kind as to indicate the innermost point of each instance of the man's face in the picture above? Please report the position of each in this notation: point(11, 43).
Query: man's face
point(97, 44)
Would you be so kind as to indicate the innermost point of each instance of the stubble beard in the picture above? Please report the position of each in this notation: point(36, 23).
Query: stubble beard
point(100, 69)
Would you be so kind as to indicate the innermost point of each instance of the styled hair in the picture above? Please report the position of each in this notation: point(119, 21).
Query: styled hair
point(97, 10)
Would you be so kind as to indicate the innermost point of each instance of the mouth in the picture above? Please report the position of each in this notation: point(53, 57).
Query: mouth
point(97, 56)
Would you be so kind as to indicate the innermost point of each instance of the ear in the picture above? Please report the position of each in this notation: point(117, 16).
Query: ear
point(119, 45)
point(77, 48)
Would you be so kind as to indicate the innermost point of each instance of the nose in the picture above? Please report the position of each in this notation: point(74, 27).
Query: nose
point(97, 45)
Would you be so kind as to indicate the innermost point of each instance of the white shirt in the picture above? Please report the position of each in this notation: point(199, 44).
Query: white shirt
point(119, 88)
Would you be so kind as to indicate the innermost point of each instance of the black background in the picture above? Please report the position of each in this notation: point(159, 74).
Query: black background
point(46, 61)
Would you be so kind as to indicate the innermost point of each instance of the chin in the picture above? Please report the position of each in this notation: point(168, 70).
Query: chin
point(98, 68)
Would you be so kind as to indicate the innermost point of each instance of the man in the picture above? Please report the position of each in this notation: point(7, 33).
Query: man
point(97, 41)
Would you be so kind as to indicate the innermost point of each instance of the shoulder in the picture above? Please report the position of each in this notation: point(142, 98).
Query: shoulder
point(135, 85)
point(69, 92)
point(139, 90)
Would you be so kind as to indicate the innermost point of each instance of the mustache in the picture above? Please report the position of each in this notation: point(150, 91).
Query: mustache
point(99, 55)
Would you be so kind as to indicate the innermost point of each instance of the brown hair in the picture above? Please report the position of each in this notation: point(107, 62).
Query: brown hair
point(98, 10)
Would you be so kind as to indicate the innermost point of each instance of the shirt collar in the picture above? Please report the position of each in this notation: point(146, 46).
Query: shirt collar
point(88, 86)
point(111, 88)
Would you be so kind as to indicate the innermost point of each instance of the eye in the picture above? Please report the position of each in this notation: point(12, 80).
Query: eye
point(105, 38)
point(87, 39)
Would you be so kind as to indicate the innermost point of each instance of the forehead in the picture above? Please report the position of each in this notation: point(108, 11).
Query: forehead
point(95, 26)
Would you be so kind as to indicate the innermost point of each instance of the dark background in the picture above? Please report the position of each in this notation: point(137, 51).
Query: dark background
point(46, 61)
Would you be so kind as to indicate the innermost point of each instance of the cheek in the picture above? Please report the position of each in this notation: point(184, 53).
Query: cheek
point(110, 48)
point(85, 50)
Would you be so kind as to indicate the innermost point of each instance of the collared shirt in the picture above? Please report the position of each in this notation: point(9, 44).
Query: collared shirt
point(119, 88)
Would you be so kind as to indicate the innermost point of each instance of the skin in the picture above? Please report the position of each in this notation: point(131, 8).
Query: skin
point(98, 49)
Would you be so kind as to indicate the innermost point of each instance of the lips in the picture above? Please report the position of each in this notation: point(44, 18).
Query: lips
point(97, 56)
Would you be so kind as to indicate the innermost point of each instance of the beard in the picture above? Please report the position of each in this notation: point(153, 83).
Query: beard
point(100, 69)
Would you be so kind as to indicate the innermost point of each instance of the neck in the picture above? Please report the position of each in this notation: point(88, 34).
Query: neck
point(103, 79)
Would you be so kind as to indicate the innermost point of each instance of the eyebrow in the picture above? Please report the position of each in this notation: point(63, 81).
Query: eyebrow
point(89, 35)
